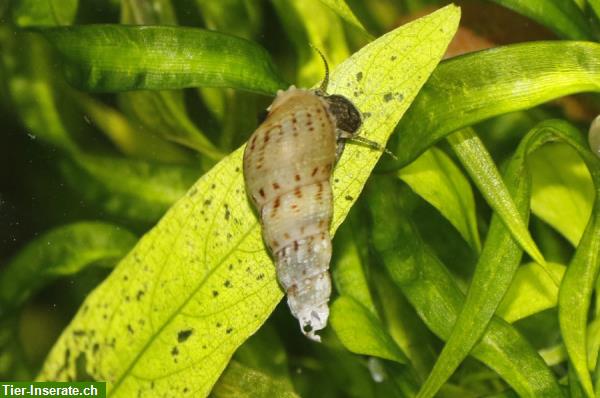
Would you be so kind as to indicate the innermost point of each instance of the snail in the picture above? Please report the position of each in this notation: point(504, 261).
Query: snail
point(288, 163)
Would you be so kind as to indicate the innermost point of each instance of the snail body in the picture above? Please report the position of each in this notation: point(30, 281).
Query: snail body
point(288, 164)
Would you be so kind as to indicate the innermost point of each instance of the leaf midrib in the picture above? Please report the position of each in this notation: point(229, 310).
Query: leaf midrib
point(157, 333)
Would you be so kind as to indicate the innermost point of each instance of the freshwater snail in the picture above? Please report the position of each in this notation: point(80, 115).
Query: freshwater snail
point(288, 164)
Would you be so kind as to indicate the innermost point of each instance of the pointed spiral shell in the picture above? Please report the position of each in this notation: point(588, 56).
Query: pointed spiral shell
point(288, 163)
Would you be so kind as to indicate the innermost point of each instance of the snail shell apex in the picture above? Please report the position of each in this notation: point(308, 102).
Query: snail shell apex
point(288, 163)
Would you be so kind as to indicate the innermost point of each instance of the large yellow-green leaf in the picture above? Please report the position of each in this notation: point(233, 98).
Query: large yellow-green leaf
point(170, 316)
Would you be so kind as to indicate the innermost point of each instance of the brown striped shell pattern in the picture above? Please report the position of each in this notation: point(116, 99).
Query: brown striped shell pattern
point(288, 164)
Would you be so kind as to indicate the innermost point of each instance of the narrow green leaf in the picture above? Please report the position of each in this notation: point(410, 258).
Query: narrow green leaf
point(577, 286)
point(348, 274)
point(361, 332)
point(61, 251)
point(133, 142)
point(264, 351)
point(438, 300)
point(563, 17)
point(499, 259)
point(239, 381)
point(162, 114)
point(33, 94)
point(480, 166)
point(149, 12)
point(341, 8)
point(202, 279)
point(43, 12)
point(530, 292)
point(143, 192)
point(435, 178)
point(593, 343)
point(241, 18)
point(496, 267)
point(468, 89)
point(595, 6)
point(120, 58)
point(562, 190)
point(49, 111)
point(309, 22)
point(405, 326)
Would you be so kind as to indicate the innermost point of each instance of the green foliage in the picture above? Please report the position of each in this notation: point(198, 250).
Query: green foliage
point(441, 287)
point(160, 58)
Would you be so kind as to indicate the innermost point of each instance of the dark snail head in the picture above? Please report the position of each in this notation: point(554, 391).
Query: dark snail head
point(347, 117)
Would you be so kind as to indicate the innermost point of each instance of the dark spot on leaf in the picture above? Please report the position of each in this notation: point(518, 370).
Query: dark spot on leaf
point(215, 293)
point(78, 333)
point(139, 295)
point(359, 76)
point(366, 115)
point(348, 198)
point(207, 202)
point(388, 97)
point(227, 212)
point(227, 283)
point(80, 369)
point(307, 328)
point(95, 348)
point(393, 58)
point(237, 169)
point(175, 351)
point(129, 328)
point(213, 186)
point(229, 330)
point(183, 335)
point(125, 278)
point(260, 276)
point(218, 324)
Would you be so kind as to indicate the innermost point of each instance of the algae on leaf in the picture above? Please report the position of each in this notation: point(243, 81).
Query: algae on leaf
point(195, 287)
